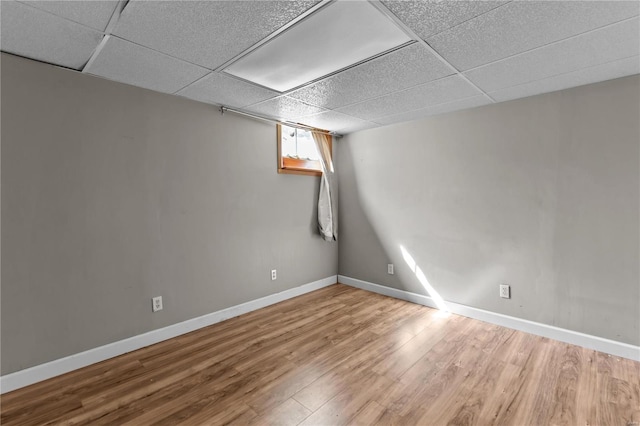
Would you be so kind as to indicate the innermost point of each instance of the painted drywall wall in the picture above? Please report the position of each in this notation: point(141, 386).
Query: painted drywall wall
point(540, 193)
point(113, 194)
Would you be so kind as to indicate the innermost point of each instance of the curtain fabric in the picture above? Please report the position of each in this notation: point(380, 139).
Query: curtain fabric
point(328, 198)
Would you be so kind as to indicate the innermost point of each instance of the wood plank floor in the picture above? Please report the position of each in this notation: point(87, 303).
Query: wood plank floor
point(342, 356)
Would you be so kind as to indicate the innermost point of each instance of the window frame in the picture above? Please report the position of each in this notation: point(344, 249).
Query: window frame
point(296, 166)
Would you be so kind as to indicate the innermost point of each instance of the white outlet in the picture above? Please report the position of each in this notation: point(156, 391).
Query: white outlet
point(156, 304)
point(274, 275)
point(390, 268)
point(505, 291)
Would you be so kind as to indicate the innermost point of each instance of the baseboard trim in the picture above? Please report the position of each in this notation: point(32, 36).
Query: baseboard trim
point(64, 365)
point(612, 347)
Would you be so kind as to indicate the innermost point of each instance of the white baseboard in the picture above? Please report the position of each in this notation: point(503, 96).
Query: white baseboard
point(612, 347)
point(60, 366)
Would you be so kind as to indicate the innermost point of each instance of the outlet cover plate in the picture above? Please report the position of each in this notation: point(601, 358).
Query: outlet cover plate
point(156, 304)
point(505, 291)
point(390, 268)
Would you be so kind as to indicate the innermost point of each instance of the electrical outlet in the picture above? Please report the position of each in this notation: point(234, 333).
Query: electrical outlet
point(156, 304)
point(390, 268)
point(505, 291)
point(274, 275)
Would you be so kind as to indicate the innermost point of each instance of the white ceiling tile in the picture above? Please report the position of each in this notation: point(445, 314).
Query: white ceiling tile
point(284, 108)
point(334, 121)
point(597, 47)
point(39, 35)
point(472, 102)
point(523, 25)
point(207, 33)
point(608, 71)
point(433, 93)
point(129, 63)
point(95, 14)
point(403, 68)
point(221, 89)
point(356, 128)
point(430, 17)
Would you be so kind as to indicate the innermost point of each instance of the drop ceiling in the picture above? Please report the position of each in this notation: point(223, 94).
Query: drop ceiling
point(460, 54)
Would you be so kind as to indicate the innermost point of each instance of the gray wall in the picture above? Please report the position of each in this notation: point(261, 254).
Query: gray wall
point(540, 193)
point(113, 194)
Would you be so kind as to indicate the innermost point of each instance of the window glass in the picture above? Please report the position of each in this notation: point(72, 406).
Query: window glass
point(298, 143)
point(297, 151)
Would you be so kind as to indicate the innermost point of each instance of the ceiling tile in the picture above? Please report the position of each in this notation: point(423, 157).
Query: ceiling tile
point(430, 17)
point(207, 33)
point(466, 103)
point(608, 71)
point(129, 63)
point(403, 68)
point(218, 88)
point(95, 14)
point(39, 35)
point(436, 92)
point(523, 25)
point(335, 121)
point(598, 47)
point(356, 128)
point(284, 108)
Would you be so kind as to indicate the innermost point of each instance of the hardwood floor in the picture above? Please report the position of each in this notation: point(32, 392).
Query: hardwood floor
point(342, 356)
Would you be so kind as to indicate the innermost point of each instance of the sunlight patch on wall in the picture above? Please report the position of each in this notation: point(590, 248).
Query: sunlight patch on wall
point(410, 261)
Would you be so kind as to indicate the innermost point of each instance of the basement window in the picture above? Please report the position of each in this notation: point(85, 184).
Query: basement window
point(297, 152)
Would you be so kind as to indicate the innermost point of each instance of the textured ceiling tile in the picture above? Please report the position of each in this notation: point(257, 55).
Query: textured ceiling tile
point(523, 25)
point(403, 68)
point(356, 128)
point(335, 121)
point(284, 108)
point(221, 89)
point(42, 36)
point(436, 92)
point(129, 63)
point(598, 47)
point(472, 102)
point(430, 17)
point(608, 71)
point(207, 33)
point(95, 14)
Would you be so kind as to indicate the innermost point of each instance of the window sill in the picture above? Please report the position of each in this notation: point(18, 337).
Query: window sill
point(300, 167)
point(299, 172)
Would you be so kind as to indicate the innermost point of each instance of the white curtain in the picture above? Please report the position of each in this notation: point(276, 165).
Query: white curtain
point(328, 199)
